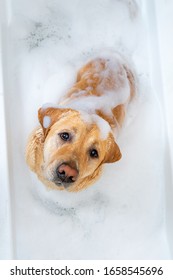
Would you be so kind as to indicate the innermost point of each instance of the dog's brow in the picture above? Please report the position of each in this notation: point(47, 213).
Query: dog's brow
point(94, 144)
point(74, 129)
point(69, 128)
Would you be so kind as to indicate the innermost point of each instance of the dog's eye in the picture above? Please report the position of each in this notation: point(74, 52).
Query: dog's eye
point(94, 153)
point(65, 136)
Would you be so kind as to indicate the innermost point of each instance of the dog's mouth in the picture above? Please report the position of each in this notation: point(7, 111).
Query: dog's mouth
point(62, 185)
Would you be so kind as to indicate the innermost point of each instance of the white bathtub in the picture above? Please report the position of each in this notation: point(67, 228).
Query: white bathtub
point(134, 219)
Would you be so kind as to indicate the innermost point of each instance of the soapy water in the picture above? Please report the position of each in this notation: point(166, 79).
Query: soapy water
point(122, 215)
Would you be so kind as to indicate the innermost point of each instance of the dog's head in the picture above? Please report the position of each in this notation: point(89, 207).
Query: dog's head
point(75, 147)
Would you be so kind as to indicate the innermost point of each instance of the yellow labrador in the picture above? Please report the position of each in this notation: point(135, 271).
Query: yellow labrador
point(76, 138)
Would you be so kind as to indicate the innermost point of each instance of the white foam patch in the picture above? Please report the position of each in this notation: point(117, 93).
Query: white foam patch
point(46, 121)
point(103, 125)
point(50, 105)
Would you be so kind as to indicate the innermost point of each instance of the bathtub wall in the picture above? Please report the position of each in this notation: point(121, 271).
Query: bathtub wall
point(164, 20)
point(6, 242)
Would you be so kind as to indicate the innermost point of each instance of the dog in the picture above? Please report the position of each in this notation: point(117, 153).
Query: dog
point(76, 137)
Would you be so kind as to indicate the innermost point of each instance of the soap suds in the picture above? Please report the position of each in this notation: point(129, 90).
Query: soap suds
point(46, 121)
point(50, 105)
point(103, 126)
point(109, 98)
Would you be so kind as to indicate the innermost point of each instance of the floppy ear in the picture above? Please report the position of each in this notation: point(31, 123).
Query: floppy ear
point(113, 152)
point(47, 117)
point(34, 148)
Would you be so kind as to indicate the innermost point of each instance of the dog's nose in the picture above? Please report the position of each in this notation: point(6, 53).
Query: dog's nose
point(67, 173)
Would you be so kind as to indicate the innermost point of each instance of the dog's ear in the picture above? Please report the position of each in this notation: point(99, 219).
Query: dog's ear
point(113, 152)
point(34, 148)
point(47, 117)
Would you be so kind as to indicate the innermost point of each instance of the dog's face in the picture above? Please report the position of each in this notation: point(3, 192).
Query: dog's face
point(74, 149)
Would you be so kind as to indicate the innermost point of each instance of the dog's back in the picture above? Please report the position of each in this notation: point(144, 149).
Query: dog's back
point(111, 80)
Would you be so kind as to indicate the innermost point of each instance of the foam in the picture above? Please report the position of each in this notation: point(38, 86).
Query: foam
point(103, 126)
point(108, 99)
point(46, 121)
